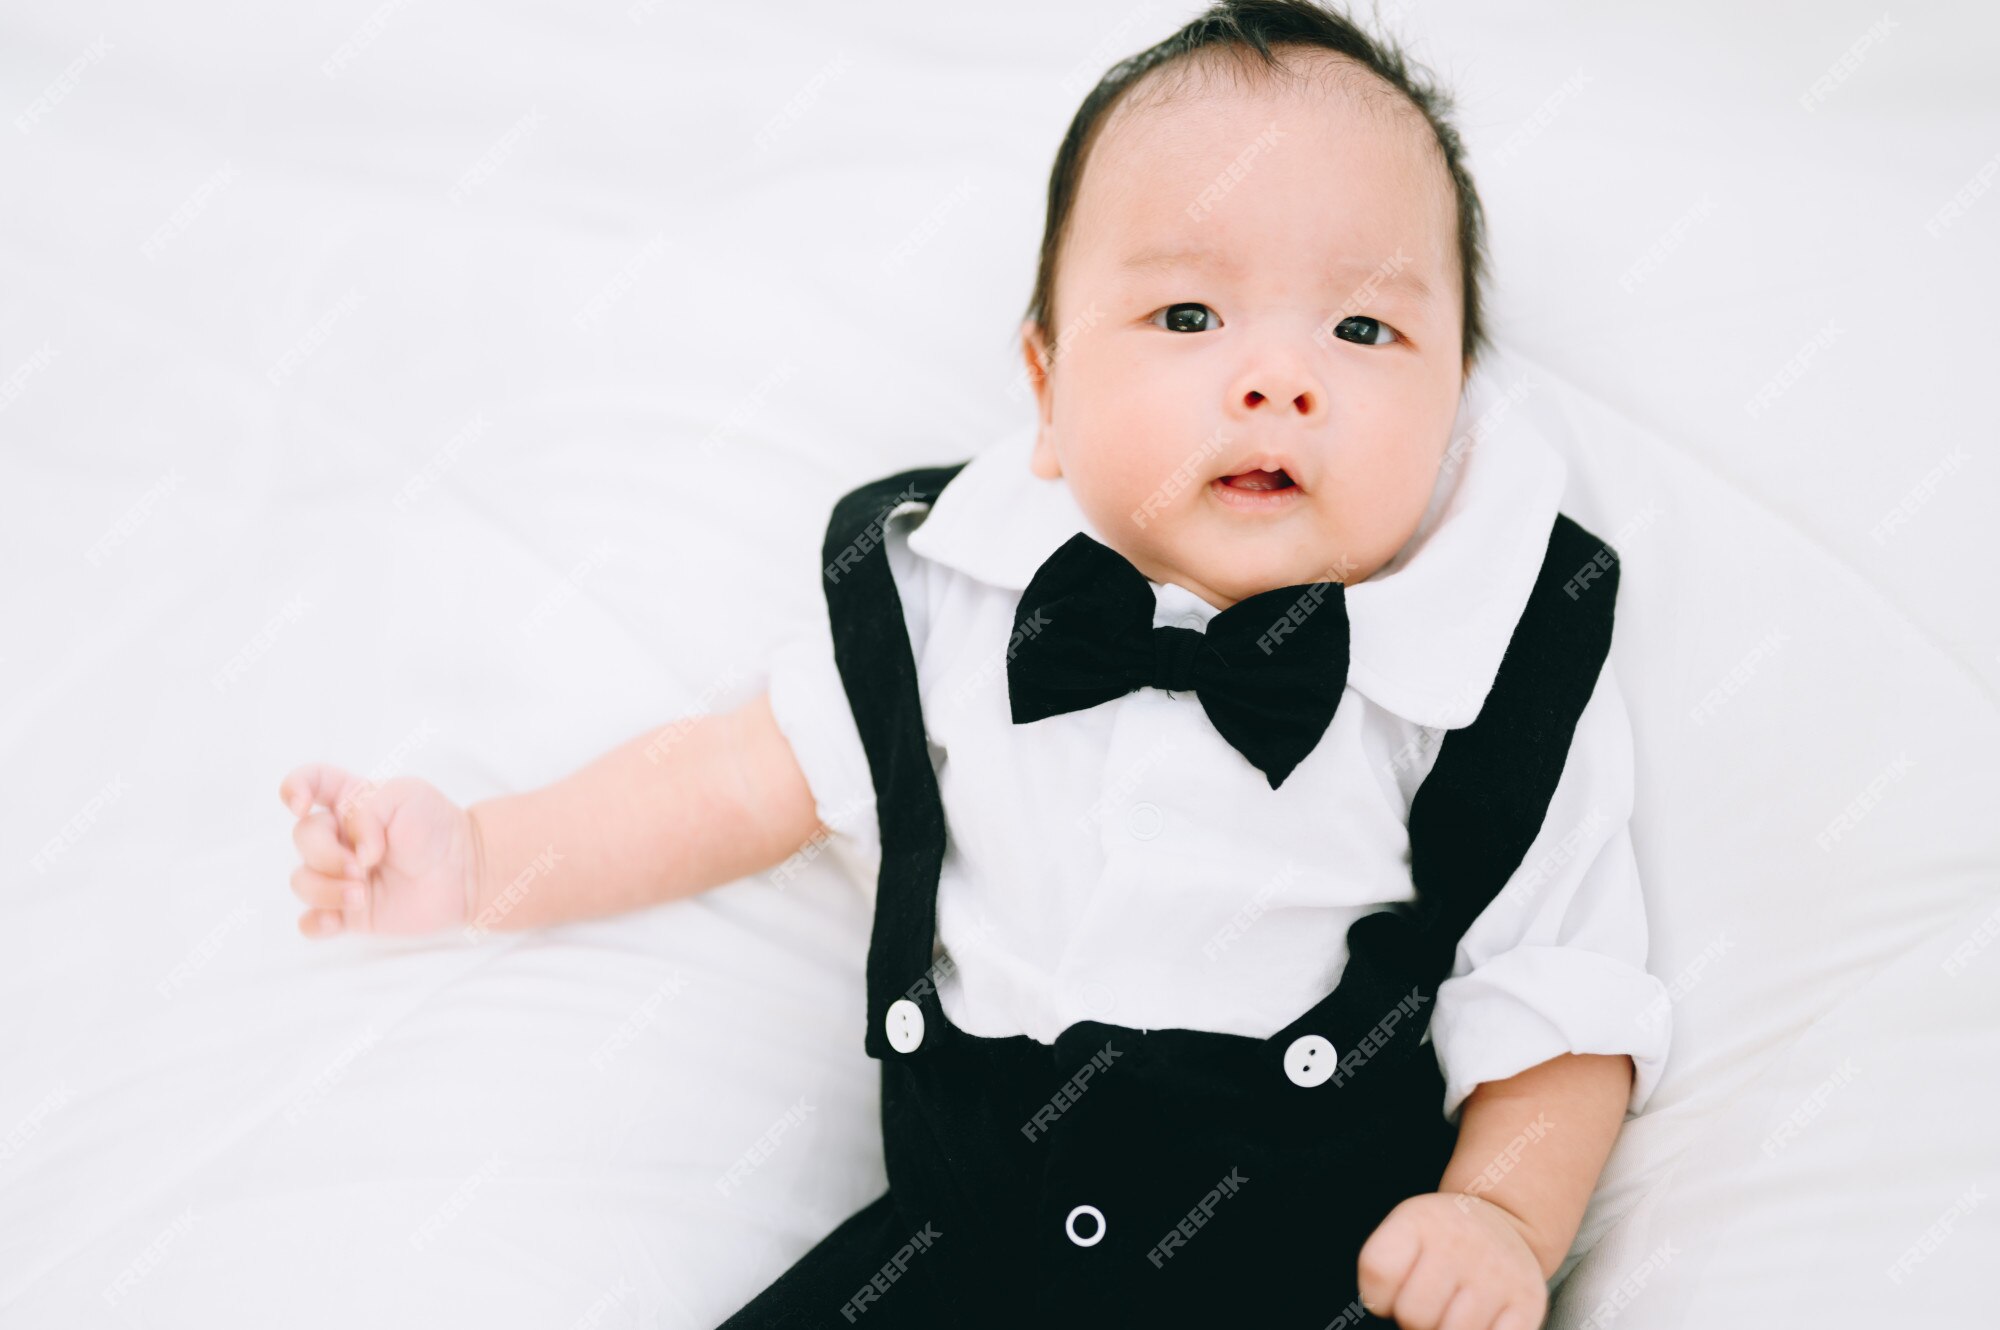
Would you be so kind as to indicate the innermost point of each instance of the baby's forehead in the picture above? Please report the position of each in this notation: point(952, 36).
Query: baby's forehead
point(1182, 124)
point(1341, 134)
point(1219, 82)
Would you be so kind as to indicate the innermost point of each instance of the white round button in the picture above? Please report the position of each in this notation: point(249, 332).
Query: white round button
point(1310, 1060)
point(905, 1023)
point(1097, 1235)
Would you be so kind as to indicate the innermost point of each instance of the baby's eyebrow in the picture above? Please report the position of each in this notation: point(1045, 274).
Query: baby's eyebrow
point(1154, 260)
point(1364, 276)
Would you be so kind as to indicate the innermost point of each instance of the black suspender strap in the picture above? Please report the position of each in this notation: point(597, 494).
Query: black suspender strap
point(1483, 802)
point(1483, 805)
point(871, 645)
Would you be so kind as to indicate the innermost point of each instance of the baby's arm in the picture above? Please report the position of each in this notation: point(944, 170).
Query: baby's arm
point(703, 801)
point(1535, 1143)
point(1529, 1152)
point(1548, 1032)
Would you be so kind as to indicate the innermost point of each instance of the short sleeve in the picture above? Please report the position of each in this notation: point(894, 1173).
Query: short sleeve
point(1556, 963)
point(809, 703)
point(810, 707)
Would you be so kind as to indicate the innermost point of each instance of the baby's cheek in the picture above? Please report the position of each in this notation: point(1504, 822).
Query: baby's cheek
point(1377, 504)
point(1127, 487)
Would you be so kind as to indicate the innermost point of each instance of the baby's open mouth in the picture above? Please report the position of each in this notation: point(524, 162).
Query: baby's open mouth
point(1259, 480)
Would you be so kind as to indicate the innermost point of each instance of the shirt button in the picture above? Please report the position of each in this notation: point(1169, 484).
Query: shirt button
point(1310, 1060)
point(905, 1023)
point(1095, 1219)
point(1191, 620)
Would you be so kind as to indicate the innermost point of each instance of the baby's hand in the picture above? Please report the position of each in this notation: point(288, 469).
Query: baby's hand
point(393, 858)
point(1451, 1261)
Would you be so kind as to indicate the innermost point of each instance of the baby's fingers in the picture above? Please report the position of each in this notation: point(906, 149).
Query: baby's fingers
point(1474, 1305)
point(1432, 1286)
point(320, 923)
point(320, 848)
point(315, 785)
point(344, 901)
point(323, 923)
point(361, 826)
point(319, 889)
point(1386, 1260)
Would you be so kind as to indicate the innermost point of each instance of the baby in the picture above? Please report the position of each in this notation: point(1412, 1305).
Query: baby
point(1238, 702)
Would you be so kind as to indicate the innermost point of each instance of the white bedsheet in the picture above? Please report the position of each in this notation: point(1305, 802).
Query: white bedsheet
point(460, 390)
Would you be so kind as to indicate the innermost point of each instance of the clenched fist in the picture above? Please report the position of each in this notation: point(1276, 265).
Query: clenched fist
point(1451, 1261)
point(392, 858)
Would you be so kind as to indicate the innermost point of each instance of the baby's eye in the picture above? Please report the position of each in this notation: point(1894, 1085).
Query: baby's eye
point(1368, 332)
point(1188, 317)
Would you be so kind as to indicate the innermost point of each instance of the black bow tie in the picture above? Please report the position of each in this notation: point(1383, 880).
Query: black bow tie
point(1269, 671)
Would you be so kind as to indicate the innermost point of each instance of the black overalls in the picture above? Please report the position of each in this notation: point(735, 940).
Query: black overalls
point(1165, 1177)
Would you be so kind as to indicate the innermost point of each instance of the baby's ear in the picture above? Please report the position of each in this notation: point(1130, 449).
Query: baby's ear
point(1035, 355)
point(1034, 352)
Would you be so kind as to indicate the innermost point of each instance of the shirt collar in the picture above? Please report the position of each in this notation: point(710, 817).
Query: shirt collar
point(1427, 630)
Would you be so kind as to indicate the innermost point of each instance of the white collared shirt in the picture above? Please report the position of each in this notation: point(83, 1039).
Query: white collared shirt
point(1123, 863)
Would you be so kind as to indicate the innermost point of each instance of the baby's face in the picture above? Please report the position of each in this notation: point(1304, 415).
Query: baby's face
point(1240, 289)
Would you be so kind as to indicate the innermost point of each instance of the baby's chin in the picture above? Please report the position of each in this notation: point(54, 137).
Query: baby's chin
point(1228, 556)
point(1235, 570)
point(1243, 559)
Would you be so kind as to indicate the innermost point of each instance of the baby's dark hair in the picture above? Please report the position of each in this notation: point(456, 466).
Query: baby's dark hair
point(1241, 27)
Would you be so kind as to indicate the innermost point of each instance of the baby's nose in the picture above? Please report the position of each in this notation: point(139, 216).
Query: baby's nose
point(1302, 402)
